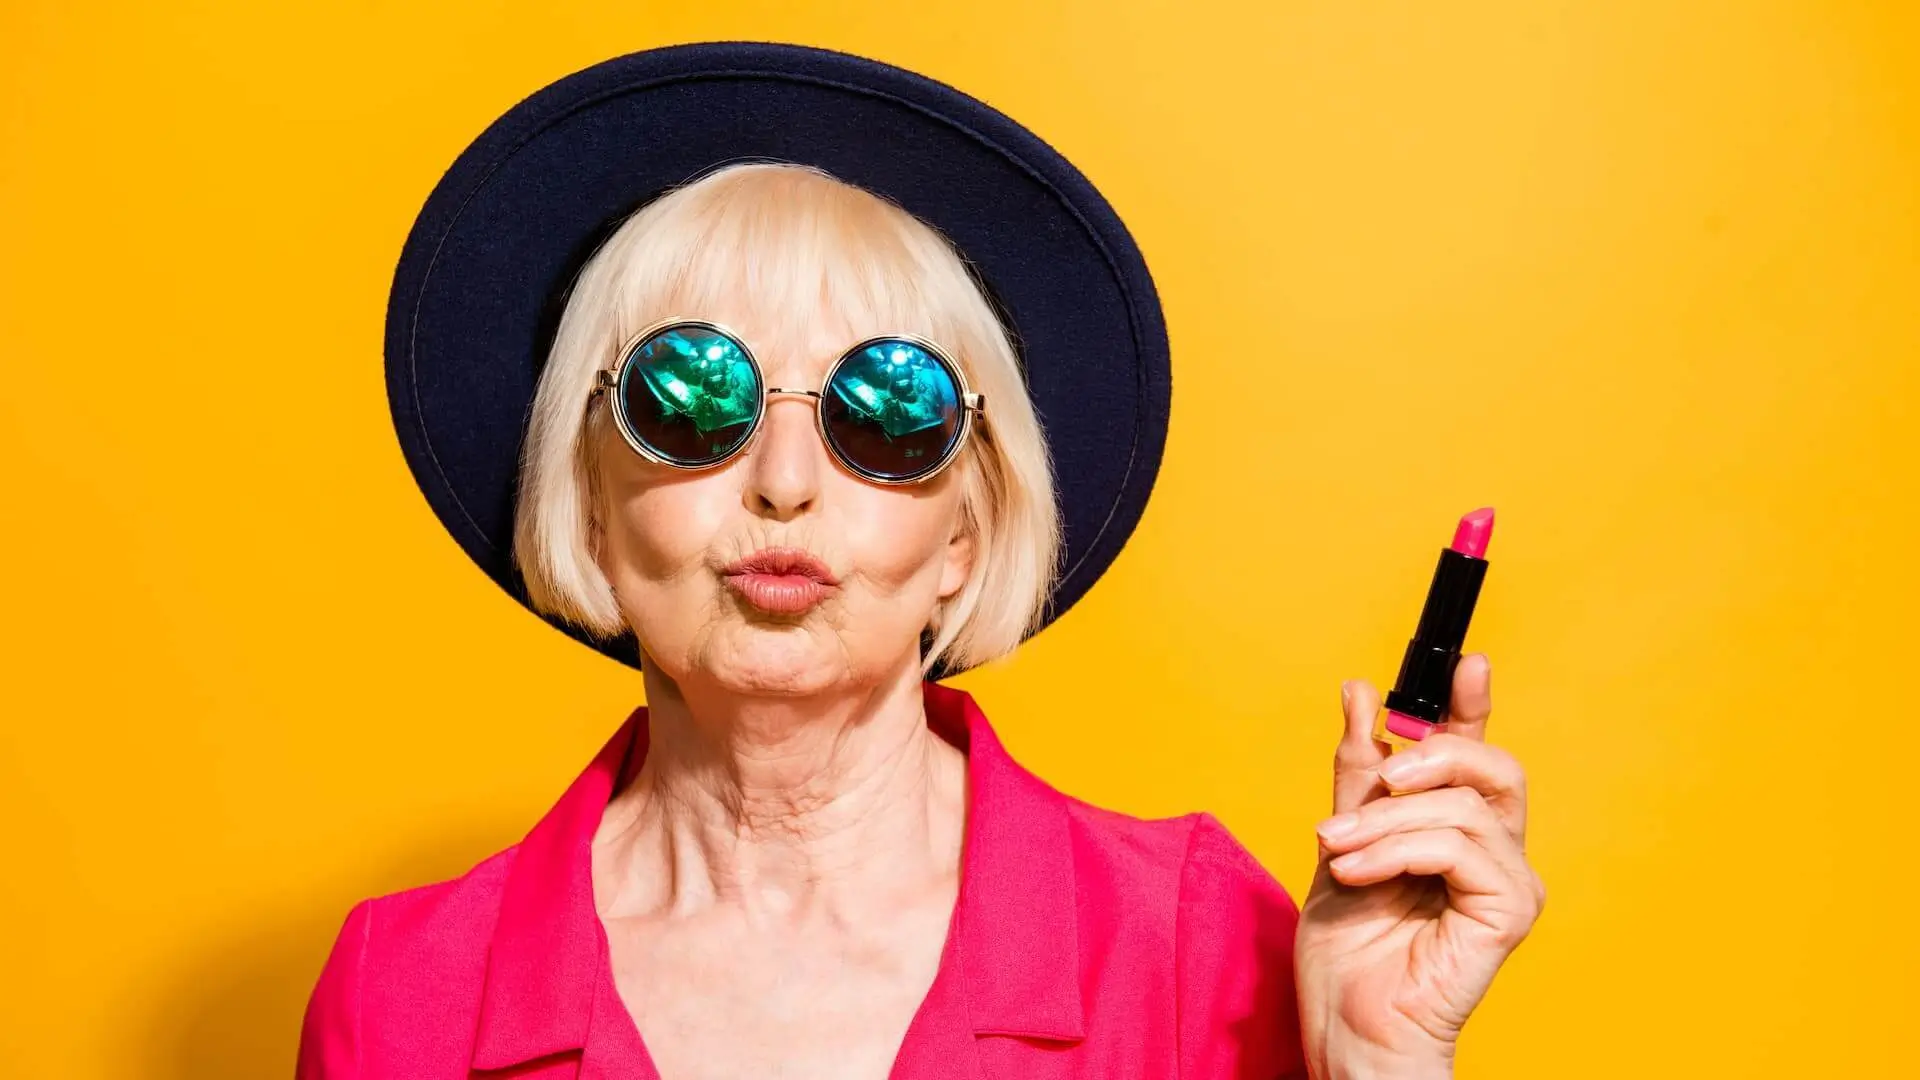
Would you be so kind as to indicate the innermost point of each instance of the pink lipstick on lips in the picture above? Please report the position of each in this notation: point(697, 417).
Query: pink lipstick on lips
point(782, 581)
point(1420, 695)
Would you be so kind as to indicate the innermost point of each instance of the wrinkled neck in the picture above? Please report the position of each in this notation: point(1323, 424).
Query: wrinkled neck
point(777, 804)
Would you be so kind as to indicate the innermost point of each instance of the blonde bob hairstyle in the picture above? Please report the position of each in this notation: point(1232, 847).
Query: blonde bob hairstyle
point(804, 244)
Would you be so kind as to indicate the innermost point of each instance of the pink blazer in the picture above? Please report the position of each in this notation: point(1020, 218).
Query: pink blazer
point(1084, 943)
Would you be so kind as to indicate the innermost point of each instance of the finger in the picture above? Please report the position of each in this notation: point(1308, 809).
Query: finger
point(1444, 808)
point(1458, 808)
point(1449, 760)
point(1478, 886)
point(1357, 758)
point(1472, 700)
point(1447, 853)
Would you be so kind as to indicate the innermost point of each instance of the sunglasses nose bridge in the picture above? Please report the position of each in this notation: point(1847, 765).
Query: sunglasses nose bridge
point(772, 390)
point(812, 424)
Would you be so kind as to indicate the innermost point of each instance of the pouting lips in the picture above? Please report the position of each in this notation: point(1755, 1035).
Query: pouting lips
point(783, 581)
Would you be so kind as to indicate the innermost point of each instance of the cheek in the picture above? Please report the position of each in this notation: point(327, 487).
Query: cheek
point(659, 535)
point(899, 542)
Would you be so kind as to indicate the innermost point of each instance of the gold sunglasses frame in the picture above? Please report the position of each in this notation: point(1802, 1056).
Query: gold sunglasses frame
point(608, 379)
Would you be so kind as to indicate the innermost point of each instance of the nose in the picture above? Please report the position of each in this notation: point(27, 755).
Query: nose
point(784, 468)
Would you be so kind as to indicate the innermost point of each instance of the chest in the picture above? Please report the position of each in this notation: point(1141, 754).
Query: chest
point(715, 997)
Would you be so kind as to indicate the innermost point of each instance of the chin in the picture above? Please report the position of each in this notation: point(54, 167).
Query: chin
point(789, 661)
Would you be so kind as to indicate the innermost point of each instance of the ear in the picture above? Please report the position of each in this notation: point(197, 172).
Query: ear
point(596, 529)
point(594, 496)
point(958, 566)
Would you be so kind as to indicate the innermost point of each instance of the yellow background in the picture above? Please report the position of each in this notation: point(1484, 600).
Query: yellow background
point(1643, 275)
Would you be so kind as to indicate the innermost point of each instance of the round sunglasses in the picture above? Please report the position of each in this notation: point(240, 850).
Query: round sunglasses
point(688, 393)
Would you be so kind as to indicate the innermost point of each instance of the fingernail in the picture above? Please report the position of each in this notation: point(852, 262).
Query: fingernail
point(1348, 862)
point(1346, 694)
point(1339, 825)
point(1400, 768)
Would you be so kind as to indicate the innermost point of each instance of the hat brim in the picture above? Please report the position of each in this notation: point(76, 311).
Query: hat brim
point(485, 271)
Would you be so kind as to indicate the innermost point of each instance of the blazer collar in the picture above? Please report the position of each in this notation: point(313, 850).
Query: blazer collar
point(1016, 936)
point(1016, 922)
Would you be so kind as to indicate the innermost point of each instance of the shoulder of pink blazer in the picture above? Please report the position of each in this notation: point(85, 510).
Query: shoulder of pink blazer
point(417, 957)
point(1185, 892)
point(1239, 1014)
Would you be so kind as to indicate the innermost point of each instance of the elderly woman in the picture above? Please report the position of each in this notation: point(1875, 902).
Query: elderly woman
point(783, 442)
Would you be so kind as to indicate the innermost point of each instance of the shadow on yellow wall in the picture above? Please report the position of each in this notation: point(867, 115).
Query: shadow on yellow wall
point(226, 1012)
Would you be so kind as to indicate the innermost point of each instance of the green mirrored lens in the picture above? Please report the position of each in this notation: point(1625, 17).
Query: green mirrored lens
point(892, 410)
point(690, 394)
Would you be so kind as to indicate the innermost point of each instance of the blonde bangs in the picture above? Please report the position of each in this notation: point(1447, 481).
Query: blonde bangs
point(797, 243)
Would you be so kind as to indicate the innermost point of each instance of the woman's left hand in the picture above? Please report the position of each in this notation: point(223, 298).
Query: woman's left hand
point(1418, 899)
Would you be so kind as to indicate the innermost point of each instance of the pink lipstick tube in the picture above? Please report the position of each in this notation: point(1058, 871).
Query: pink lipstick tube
point(1418, 703)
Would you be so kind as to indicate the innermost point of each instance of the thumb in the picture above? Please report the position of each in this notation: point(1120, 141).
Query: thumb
point(1356, 762)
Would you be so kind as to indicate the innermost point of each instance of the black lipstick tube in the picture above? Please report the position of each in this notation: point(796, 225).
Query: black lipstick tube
point(1421, 693)
point(1425, 684)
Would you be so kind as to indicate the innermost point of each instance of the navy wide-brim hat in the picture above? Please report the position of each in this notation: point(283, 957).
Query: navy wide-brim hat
point(489, 262)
